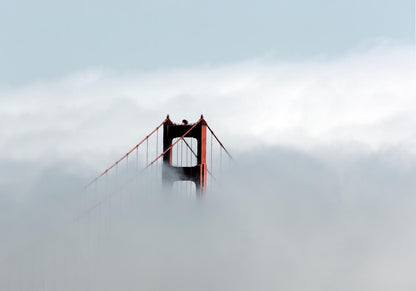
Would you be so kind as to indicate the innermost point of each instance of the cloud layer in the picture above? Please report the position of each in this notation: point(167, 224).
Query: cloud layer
point(280, 220)
point(365, 99)
point(321, 199)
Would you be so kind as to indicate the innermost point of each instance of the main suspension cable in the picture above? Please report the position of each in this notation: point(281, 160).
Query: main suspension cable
point(220, 142)
point(123, 157)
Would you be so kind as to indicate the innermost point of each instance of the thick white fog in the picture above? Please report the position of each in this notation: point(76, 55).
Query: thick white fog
point(321, 196)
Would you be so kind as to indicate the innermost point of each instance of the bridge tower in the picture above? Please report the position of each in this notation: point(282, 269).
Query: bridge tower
point(197, 173)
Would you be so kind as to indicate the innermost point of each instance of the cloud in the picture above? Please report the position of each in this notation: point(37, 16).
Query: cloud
point(280, 219)
point(320, 199)
point(364, 99)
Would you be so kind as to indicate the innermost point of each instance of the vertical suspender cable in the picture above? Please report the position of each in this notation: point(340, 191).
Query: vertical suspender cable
point(147, 151)
point(220, 157)
point(98, 213)
point(177, 155)
point(135, 173)
point(127, 175)
point(192, 157)
point(116, 175)
point(187, 164)
point(181, 153)
point(212, 165)
point(127, 164)
point(109, 214)
point(186, 157)
point(157, 142)
point(107, 193)
point(137, 159)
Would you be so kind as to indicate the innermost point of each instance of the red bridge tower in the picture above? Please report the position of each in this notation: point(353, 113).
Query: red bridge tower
point(197, 173)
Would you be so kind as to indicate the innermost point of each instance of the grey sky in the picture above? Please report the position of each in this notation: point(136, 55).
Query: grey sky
point(43, 39)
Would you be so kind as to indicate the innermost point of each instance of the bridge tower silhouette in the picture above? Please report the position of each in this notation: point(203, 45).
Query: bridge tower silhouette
point(192, 165)
point(196, 173)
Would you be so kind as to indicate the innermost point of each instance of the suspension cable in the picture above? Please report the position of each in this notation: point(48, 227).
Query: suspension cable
point(172, 145)
point(196, 156)
point(111, 192)
point(135, 147)
point(220, 142)
point(146, 139)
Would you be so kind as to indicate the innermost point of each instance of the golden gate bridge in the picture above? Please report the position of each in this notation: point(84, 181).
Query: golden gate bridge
point(185, 158)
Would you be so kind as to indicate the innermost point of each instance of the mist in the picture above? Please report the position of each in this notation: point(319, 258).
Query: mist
point(321, 196)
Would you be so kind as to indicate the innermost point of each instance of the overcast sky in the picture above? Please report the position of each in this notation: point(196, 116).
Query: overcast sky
point(47, 39)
